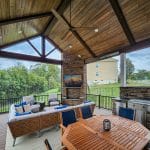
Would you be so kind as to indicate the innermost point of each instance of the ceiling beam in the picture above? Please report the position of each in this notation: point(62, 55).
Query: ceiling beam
point(138, 46)
point(114, 52)
point(75, 33)
point(24, 18)
point(43, 46)
point(50, 52)
point(122, 20)
point(34, 47)
point(19, 41)
point(29, 58)
point(61, 8)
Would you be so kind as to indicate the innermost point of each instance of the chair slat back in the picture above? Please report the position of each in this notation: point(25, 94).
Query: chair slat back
point(86, 112)
point(68, 117)
point(127, 113)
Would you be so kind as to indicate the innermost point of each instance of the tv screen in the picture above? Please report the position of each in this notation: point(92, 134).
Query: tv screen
point(73, 80)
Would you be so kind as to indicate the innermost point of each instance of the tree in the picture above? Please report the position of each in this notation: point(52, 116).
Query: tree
point(129, 68)
point(142, 75)
point(18, 81)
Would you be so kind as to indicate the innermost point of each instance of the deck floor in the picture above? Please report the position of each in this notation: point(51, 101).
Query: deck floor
point(32, 140)
point(3, 130)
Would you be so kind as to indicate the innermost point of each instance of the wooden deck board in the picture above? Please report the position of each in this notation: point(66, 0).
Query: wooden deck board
point(3, 130)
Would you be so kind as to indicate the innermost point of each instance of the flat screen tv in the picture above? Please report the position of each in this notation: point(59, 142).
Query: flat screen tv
point(73, 80)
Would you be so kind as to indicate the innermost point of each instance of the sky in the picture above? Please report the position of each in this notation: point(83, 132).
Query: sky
point(140, 58)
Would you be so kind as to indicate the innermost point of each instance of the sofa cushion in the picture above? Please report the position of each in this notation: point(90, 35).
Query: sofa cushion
point(23, 113)
point(61, 107)
point(54, 103)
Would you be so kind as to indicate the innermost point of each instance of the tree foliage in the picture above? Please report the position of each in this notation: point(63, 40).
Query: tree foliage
point(138, 75)
point(141, 75)
point(129, 68)
point(18, 80)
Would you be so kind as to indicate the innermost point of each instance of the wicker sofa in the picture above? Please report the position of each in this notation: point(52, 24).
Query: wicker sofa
point(35, 122)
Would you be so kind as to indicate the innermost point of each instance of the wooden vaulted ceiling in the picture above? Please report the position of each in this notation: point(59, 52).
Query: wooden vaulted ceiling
point(122, 24)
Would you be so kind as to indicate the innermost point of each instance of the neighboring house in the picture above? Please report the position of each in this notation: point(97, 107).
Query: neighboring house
point(103, 72)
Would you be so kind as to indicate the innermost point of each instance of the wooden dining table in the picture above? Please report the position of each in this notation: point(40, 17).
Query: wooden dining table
point(88, 134)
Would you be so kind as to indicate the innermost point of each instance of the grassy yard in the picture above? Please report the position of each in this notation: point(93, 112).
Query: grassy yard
point(105, 90)
point(112, 89)
point(50, 91)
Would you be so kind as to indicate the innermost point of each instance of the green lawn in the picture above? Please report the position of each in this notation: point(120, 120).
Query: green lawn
point(50, 91)
point(112, 89)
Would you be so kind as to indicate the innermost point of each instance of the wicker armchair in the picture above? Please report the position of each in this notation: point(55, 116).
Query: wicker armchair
point(53, 100)
point(35, 107)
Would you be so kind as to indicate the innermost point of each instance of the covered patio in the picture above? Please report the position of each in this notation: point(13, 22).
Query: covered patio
point(83, 31)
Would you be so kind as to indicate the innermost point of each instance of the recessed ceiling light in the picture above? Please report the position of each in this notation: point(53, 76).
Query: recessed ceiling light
point(19, 32)
point(79, 56)
point(96, 30)
point(70, 46)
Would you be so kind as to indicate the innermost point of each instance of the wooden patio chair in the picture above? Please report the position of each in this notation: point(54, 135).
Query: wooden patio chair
point(53, 100)
point(66, 118)
point(127, 113)
point(48, 146)
point(86, 112)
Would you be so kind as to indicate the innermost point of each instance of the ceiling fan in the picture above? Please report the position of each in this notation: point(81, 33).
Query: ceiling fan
point(95, 29)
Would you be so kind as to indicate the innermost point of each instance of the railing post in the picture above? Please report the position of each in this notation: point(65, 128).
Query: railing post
point(99, 101)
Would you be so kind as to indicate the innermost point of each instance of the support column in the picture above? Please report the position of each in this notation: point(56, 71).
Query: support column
point(123, 69)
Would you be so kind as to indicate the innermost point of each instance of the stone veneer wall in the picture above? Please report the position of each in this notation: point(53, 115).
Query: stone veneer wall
point(135, 92)
point(73, 65)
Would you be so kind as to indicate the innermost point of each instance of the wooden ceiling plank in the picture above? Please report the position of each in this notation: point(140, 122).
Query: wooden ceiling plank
point(29, 58)
point(138, 46)
point(62, 7)
point(24, 18)
point(77, 36)
point(122, 20)
point(34, 47)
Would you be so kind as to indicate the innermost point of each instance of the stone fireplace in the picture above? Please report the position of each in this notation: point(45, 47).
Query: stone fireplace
point(73, 65)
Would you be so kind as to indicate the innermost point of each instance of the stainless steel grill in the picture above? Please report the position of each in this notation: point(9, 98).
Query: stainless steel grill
point(142, 108)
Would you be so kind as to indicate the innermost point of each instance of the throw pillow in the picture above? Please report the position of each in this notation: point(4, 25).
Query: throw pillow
point(27, 108)
point(19, 109)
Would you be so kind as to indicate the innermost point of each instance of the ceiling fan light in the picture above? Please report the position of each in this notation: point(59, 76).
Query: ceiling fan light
point(96, 30)
point(70, 46)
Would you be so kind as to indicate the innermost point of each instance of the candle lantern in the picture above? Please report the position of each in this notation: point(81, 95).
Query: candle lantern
point(106, 125)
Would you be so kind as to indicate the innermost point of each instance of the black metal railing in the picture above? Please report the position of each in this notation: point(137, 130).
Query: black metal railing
point(100, 101)
point(6, 103)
